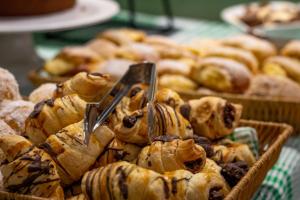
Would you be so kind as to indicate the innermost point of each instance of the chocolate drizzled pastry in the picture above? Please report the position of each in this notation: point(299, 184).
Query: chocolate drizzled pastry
point(216, 193)
point(205, 144)
point(234, 172)
point(39, 106)
point(228, 115)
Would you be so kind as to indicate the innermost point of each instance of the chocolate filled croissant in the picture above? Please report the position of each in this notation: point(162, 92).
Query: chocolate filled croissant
point(88, 86)
point(50, 116)
point(212, 117)
point(117, 151)
point(222, 74)
point(123, 180)
point(132, 127)
point(169, 97)
point(168, 154)
point(72, 157)
point(227, 152)
point(29, 170)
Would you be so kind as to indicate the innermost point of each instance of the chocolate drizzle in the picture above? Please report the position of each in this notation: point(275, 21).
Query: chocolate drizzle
point(228, 115)
point(185, 110)
point(39, 106)
point(162, 119)
point(122, 182)
point(205, 144)
point(129, 121)
point(234, 172)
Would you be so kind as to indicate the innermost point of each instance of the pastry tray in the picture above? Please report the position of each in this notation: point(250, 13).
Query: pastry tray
point(271, 137)
point(259, 108)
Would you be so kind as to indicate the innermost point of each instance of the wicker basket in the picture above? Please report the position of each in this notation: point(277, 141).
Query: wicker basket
point(259, 108)
point(271, 139)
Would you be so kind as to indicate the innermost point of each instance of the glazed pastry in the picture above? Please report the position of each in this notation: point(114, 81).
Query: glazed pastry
point(15, 113)
point(9, 88)
point(168, 154)
point(103, 48)
point(29, 170)
point(292, 49)
point(176, 82)
point(132, 127)
point(116, 68)
point(259, 47)
point(50, 116)
point(222, 74)
point(42, 93)
point(72, 60)
point(128, 181)
point(227, 151)
point(90, 87)
point(123, 36)
point(283, 66)
point(171, 66)
point(5, 129)
point(118, 151)
point(274, 86)
point(239, 55)
point(212, 117)
point(72, 157)
point(122, 180)
point(169, 97)
point(138, 52)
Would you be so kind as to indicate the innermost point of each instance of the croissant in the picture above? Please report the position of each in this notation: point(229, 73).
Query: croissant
point(291, 49)
point(177, 82)
point(102, 47)
point(43, 92)
point(116, 151)
point(88, 86)
point(212, 117)
point(132, 127)
point(72, 156)
point(123, 36)
point(227, 152)
point(123, 180)
point(29, 170)
point(167, 154)
point(169, 97)
point(50, 116)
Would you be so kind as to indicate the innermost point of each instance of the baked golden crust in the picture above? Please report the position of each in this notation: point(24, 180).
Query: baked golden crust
point(29, 170)
point(222, 74)
point(50, 116)
point(123, 36)
point(102, 47)
point(42, 93)
point(177, 82)
point(292, 49)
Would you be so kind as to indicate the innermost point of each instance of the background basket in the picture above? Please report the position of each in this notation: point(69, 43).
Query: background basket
point(260, 108)
point(271, 138)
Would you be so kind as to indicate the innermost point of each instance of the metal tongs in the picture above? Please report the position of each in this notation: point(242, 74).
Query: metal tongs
point(97, 113)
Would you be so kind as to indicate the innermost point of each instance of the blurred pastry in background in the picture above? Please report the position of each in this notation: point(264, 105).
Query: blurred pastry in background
point(222, 74)
point(116, 68)
point(274, 86)
point(199, 46)
point(292, 49)
point(72, 60)
point(259, 47)
point(172, 66)
point(282, 66)
point(123, 36)
point(15, 113)
point(102, 47)
point(9, 88)
point(177, 82)
point(5, 129)
point(43, 92)
point(239, 55)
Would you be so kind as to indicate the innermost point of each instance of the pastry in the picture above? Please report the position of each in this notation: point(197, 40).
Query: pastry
point(118, 151)
point(50, 116)
point(73, 190)
point(274, 86)
point(102, 47)
point(71, 155)
point(9, 88)
point(137, 52)
point(116, 68)
point(239, 55)
point(259, 47)
point(5, 129)
point(78, 197)
point(72, 60)
point(283, 66)
point(29, 170)
point(169, 97)
point(222, 74)
point(292, 49)
point(172, 66)
point(212, 117)
point(176, 82)
point(90, 87)
point(15, 113)
point(168, 154)
point(123, 36)
point(42, 93)
point(226, 151)
point(234, 172)
point(199, 46)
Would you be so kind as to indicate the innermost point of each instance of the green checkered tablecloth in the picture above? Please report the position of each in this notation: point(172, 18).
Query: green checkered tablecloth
point(283, 181)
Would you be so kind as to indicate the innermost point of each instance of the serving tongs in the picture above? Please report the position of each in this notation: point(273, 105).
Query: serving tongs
point(97, 113)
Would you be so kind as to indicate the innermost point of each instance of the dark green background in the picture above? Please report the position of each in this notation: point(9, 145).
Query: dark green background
point(206, 9)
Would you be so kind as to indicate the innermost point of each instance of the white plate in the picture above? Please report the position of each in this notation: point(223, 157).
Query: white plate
point(288, 31)
point(85, 12)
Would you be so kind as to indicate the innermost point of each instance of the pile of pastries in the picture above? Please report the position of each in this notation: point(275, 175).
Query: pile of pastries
point(240, 64)
point(43, 153)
